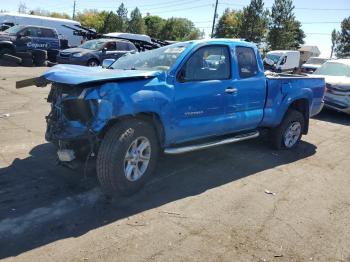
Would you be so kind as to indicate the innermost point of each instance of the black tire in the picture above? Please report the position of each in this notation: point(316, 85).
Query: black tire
point(6, 50)
point(93, 62)
point(292, 117)
point(10, 60)
point(24, 55)
point(52, 55)
point(39, 57)
point(28, 62)
point(112, 152)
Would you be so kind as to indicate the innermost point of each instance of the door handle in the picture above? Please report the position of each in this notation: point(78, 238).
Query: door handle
point(231, 90)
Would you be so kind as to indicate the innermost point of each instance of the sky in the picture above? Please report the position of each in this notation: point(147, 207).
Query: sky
point(318, 17)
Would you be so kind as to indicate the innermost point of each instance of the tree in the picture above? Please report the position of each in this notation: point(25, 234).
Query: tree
point(136, 23)
point(43, 12)
point(179, 29)
point(229, 24)
point(154, 25)
point(284, 30)
point(343, 41)
point(334, 41)
point(254, 22)
point(110, 23)
point(22, 8)
point(92, 18)
point(122, 20)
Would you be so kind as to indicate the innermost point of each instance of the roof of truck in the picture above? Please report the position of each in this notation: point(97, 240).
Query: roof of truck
point(224, 40)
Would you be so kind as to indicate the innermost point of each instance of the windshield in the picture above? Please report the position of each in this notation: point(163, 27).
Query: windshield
point(13, 30)
point(93, 45)
point(333, 69)
point(274, 58)
point(316, 61)
point(157, 59)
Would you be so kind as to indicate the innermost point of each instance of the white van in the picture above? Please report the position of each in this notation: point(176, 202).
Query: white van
point(57, 23)
point(283, 60)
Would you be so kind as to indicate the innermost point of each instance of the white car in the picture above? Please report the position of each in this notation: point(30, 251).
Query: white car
point(312, 64)
point(337, 76)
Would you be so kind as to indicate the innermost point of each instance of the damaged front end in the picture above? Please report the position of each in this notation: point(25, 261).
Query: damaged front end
point(71, 123)
point(78, 115)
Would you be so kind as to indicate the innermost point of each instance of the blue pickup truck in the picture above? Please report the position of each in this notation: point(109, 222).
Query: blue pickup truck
point(175, 99)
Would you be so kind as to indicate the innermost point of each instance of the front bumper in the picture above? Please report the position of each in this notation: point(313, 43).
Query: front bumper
point(337, 100)
point(71, 60)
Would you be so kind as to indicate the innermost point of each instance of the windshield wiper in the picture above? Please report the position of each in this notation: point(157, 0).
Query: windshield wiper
point(131, 68)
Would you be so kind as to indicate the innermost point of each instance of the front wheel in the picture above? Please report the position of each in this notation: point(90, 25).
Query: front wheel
point(93, 62)
point(127, 157)
point(289, 132)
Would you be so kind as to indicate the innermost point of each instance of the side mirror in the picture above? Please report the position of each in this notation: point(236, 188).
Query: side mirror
point(106, 63)
point(104, 50)
point(181, 75)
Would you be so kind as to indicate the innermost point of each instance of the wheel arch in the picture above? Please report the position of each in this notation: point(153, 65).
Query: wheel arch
point(303, 106)
point(150, 117)
point(7, 44)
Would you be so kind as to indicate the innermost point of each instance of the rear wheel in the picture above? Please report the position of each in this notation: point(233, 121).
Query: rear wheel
point(289, 132)
point(127, 157)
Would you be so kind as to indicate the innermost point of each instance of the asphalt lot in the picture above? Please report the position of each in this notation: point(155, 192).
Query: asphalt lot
point(202, 206)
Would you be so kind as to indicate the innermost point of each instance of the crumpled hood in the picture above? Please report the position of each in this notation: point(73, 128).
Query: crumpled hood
point(76, 75)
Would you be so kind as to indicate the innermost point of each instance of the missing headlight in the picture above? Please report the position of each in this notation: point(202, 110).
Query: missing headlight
point(79, 109)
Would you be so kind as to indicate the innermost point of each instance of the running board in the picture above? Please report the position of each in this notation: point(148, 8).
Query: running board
point(185, 149)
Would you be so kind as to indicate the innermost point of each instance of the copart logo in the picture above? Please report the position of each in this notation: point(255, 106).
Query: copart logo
point(37, 45)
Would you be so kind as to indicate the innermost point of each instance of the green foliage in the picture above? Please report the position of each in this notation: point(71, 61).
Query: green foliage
point(154, 26)
point(92, 18)
point(179, 29)
point(254, 22)
point(122, 20)
point(42, 12)
point(284, 30)
point(136, 23)
point(229, 24)
point(343, 40)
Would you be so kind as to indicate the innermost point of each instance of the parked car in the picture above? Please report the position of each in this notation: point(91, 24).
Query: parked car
point(93, 52)
point(337, 75)
point(42, 21)
point(170, 99)
point(282, 60)
point(312, 64)
point(26, 38)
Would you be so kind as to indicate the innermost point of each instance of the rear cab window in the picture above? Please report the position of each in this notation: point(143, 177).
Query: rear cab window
point(247, 63)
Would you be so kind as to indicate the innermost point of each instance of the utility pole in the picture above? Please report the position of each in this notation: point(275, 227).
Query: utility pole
point(212, 29)
point(73, 16)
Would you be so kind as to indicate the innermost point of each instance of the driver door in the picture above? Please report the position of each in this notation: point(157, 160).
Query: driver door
point(199, 93)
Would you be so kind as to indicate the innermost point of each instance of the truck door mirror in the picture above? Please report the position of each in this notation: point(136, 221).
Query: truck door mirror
point(106, 63)
point(181, 75)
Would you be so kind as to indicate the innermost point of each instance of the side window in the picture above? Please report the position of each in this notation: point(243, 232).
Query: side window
point(121, 46)
point(247, 64)
point(207, 63)
point(47, 33)
point(110, 46)
point(30, 32)
point(131, 47)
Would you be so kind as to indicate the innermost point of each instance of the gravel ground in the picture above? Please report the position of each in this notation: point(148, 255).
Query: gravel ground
point(203, 206)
